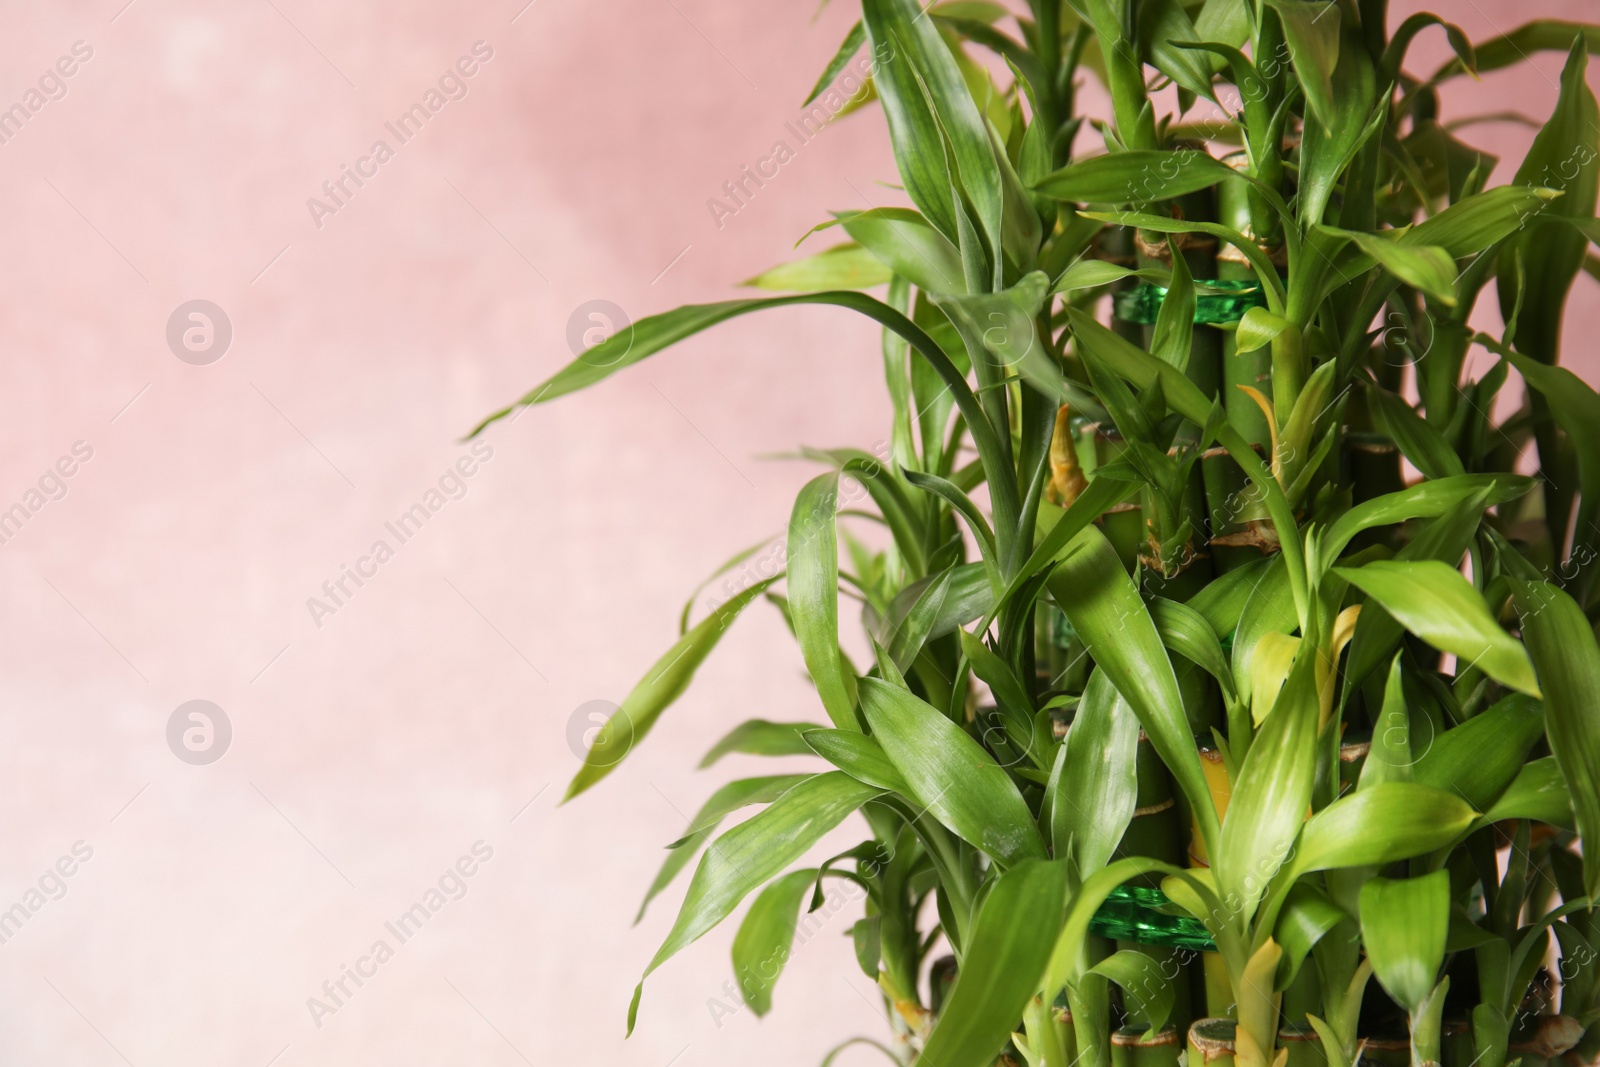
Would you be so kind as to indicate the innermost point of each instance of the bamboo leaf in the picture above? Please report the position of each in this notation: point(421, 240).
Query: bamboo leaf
point(814, 595)
point(859, 756)
point(1404, 924)
point(1093, 787)
point(950, 774)
point(760, 737)
point(846, 266)
point(907, 245)
point(1106, 611)
point(1137, 176)
point(1007, 949)
point(661, 685)
point(726, 800)
point(847, 49)
point(754, 852)
point(1425, 267)
point(1479, 759)
point(1433, 601)
point(1146, 988)
point(1538, 792)
point(765, 937)
point(928, 105)
point(1383, 824)
point(1421, 501)
point(1312, 33)
point(1272, 791)
point(1563, 647)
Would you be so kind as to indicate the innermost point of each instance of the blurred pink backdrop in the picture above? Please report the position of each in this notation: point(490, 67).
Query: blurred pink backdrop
point(430, 711)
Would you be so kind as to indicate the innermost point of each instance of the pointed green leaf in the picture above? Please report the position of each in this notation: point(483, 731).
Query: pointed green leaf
point(950, 774)
point(752, 853)
point(760, 737)
point(859, 756)
point(1404, 924)
point(766, 937)
point(1138, 176)
point(663, 684)
point(1433, 601)
point(1383, 824)
point(1007, 949)
point(726, 800)
point(1106, 611)
point(1479, 759)
point(907, 245)
point(846, 266)
point(1093, 788)
point(1563, 647)
point(814, 595)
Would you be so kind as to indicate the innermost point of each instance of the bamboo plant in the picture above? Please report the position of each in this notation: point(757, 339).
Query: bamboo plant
point(1228, 650)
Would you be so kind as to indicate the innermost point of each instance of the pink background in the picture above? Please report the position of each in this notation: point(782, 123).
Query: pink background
point(371, 752)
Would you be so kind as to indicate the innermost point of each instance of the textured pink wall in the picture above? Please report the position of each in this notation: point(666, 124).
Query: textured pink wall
point(429, 711)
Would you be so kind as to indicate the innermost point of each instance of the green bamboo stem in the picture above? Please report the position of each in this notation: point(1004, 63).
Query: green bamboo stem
point(1135, 1046)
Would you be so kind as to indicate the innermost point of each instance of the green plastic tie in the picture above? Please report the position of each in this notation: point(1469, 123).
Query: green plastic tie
point(1214, 302)
point(1132, 913)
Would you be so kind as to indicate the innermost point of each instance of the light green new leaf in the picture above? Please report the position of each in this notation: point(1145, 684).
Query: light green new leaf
point(1404, 924)
point(1006, 952)
point(1389, 757)
point(663, 684)
point(1434, 601)
point(1137, 176)
point(1105, 609)
point(846, 266)
point(814, 595)
point(1382, 824)
point(1273, 790)
point(1069, 960)
point(1563, 647)
point(754, 852)
point(1187, 632)
point(1307, 917)
point(1094, 789)
point(726, 800)
point(1093, 273)
point(760, 737)
point(766, 937)
point(950, 774)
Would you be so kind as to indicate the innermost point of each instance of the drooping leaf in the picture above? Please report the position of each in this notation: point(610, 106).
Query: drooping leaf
point(1426, 499)
point(907, 245)
point(1538, 792)
point(814, 595)
point(726, 800)
point(754, 852)
point(661, 685)
point(1146, 988)
point(950, 774)
point(1433, 601)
